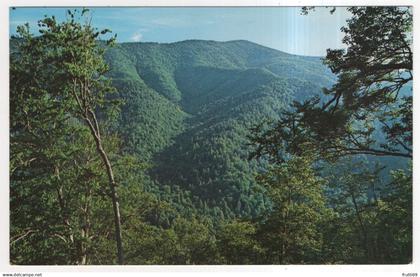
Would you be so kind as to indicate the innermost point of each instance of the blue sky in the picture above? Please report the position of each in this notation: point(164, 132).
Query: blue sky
point(282, 28)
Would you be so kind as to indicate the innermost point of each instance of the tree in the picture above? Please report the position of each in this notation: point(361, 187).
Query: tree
point(45, 141)
point(238, 243)
point(372, 221)
point(369, 109)
point(290, 232)
point(395, 218)
point(353, 191)
point(73, 57)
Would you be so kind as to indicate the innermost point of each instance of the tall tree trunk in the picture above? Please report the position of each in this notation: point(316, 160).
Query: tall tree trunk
point(89, 116)
point(112, 186)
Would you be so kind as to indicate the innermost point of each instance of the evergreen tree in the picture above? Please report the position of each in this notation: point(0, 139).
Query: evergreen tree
point(372, 95)
point(290, 232)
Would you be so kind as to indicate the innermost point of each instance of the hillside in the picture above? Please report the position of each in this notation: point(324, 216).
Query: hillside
point(188, 109)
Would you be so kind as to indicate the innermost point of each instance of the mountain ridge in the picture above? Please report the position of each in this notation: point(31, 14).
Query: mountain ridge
point(190, 105)
point(220, 41)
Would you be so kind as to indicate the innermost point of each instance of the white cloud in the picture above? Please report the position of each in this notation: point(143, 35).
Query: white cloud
point(136, 37)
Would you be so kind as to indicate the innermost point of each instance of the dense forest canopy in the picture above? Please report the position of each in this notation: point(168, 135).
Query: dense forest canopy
point(205, 152)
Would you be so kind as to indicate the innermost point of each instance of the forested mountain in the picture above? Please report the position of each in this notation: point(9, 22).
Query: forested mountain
point(188, 107)
point(205, 152)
